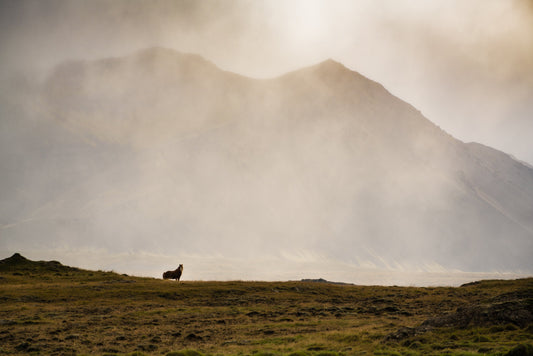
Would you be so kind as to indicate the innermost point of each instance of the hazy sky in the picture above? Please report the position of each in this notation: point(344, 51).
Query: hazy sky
point(467, 65)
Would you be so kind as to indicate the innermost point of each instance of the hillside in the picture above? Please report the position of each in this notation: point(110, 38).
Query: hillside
point(162, 152)
point(18, 264)
point(72, 311)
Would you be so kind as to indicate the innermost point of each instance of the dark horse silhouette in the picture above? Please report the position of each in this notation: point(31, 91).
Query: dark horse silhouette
point(176, 274)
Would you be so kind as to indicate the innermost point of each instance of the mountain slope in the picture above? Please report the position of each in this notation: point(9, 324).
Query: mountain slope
point(165, 152)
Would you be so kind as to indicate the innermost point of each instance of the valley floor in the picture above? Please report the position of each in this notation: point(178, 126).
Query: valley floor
point(65, 311)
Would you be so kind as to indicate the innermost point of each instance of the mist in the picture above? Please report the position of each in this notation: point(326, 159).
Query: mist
point(472, 78)
point(118, 157)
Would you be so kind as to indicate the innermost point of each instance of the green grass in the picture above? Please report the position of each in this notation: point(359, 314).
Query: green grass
point(53, 309)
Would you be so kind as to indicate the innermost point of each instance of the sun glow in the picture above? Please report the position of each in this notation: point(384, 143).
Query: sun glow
point(305, 21)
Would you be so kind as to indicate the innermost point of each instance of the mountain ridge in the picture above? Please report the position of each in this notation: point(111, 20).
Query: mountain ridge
point(320, 159)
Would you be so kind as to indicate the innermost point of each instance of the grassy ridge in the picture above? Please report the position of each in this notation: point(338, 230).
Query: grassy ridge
point(47, 308)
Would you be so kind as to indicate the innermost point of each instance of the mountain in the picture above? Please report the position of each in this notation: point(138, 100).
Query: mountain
point(163, 151)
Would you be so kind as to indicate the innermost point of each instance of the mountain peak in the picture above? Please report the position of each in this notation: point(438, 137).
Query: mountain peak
point(329, 71)
point(344, 82)
point(331, 66)
point(330, 62)
point(334, 72)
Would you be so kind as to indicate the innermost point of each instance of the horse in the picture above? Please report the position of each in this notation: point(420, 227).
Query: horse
point(176, 274)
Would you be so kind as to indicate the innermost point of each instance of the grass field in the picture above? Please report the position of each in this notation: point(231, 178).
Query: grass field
point(47, 308)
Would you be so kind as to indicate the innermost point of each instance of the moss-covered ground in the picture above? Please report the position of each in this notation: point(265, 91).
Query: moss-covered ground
point(47, 308)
